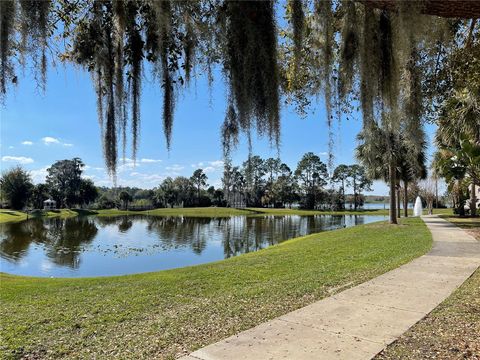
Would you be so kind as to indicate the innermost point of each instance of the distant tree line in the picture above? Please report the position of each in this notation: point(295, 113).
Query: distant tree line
point(270, 182)
point(259, 182)
point(64, 184)
point(180, 191)
point(188, 192)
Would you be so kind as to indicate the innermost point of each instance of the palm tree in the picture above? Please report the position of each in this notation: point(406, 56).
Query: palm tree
point(460, 118)
point(125, 197)
point(393, 156)
point(199, 179)
point(377, 151)
point(458, 140)
point(457, 163)
point(411, 167)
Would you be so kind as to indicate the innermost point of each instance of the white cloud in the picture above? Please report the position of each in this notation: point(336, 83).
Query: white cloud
point(18, 159)
point(47, 140)
point(216, 163)
point(175, 167)
point(27, 142)
point(323, 153)
point(174, 170)
point(150, 160)
point(129, 164)
point(209, 169)
point(209, 166)
point(126, 164)
point(39, 175)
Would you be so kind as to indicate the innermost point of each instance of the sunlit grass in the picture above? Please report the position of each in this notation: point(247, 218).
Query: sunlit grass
point(167, 313)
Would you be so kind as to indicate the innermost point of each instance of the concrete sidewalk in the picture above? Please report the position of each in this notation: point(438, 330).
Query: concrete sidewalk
point(359, 322)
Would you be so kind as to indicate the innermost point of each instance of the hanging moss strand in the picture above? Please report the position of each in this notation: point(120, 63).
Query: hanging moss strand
point(251, 65)
point(134, 57)
point(349, 49)
point(119, 19)
point(7, 15)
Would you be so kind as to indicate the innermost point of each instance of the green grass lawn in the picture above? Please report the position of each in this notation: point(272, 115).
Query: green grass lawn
point(10, 215)
point(169, 313)
point(451, 331)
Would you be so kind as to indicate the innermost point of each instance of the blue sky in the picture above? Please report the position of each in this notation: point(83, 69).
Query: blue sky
point(38, 129)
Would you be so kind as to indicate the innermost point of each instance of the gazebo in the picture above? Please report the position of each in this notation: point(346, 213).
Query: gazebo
point(49, 204)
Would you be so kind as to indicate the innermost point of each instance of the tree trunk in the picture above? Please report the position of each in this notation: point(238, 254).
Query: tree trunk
point(473, 201)
point(398, 201)
point(392, 183)
point(405, 198)
point(354, 194)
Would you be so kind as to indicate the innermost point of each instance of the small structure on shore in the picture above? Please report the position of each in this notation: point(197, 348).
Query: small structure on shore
point(49, 204)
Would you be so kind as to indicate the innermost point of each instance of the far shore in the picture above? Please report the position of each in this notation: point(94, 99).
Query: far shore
point(7, 215)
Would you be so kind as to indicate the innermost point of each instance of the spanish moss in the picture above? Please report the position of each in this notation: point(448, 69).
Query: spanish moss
point(369, 65)
point(134, 57)
point(110, 136)
point(344, 50)
point(168, 65)
point(413, 102)
point(387, 66)
point(230, 131)
point(7, 15)
point(189, 47)
point(34, 33)
point(119, 19)
point(298, 23)
point(349, 49)
point(324, 11)
point(251, 65)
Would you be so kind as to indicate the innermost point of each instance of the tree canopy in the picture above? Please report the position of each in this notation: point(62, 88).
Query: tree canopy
point(16, 187)
point(387, 57)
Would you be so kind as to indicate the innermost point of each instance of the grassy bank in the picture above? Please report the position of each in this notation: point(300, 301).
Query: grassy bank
point(451, 331)
point(10, 215)
point(170, 313)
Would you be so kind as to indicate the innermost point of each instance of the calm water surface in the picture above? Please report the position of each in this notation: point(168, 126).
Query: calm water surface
point(101, 246)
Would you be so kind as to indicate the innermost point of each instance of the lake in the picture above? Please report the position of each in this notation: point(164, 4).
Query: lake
point(103, 246)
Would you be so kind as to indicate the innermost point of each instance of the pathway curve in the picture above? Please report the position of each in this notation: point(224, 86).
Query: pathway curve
point(359, 322)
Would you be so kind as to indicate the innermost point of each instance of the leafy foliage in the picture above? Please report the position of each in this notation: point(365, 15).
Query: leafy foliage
point(16, 186)
point(64, 181)
point(351, 53)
